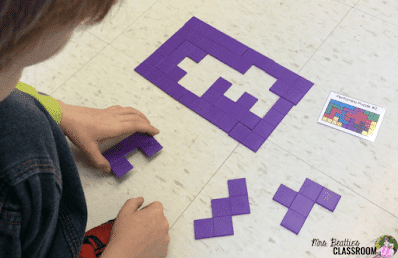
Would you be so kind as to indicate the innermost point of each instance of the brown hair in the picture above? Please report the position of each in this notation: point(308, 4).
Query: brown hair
point(24, 22)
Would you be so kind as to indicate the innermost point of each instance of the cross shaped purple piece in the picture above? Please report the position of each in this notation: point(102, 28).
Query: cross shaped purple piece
point(115, 155)
point(300, 204)
point(223, 209)
point(195, 40)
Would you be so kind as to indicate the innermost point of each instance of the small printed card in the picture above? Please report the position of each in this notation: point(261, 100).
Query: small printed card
point(352, 116)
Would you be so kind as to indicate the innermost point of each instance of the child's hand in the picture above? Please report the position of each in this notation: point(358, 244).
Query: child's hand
point(88, 127)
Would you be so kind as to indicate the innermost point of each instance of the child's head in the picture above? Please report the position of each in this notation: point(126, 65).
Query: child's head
point(34, 30)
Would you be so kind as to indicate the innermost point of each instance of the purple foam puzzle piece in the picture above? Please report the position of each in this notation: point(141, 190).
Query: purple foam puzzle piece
point(263, 129)
point(176, 73)
point(221, 85)
point(273, 117)
point(226, 123)
point(240, 205)
point(150, 146)
point(154, 59)
point(211, 95)
point(232, 45)
point(189, 99)
point(214, 115)
point(185, 31)
point(257, 59)
point(280, 88)
point(247, 100)
point(171, 61)
point(310, 189)
point(236, 111)
point(175, 90)
point(121, 166)
point(186, 48)
point(289, 77)
point(154, 75)
point(276, 70)
point(170, 45)
point(223, 226)
point(196, 37)
point(240, 132)
point(197, 55)
point(215, 35)
point(221, 207)
point(302, 205)
point(204, 228)
point(224, 103)
point(293, 221)
point(328, 199)
point(253, 141)
point(205, 29)
point(144, 68)
point(237, 187)
point(202, 107)
point(207, 45)
point(122, 148)
point(294, 95)
point(250, 120)
point(284, 195)
point(282, 105)
point(193, 23)
point(302, 84)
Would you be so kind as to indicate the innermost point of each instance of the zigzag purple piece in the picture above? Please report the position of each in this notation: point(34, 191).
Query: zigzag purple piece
point(195, 40)
point(115, 155)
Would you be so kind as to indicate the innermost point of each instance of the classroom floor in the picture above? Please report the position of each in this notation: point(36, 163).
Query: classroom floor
point(347, 46)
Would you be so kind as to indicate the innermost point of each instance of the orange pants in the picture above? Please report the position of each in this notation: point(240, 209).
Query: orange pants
point(95, 240)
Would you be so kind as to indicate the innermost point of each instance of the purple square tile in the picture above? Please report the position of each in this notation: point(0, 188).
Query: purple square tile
point(257, 59)
point(176, 91)
point(224, 103)
point(196, 37)
point(250, 120)
point(240, 132)
point(250, 55)
point(241, 65)
point(197, 55)
point(289, 77)
point(237, 187)
point(226, 123)
point(193, 23)
point(264, 129)
point(202, 107)
point(284, 195)
point(121, 166)
point(253, 141)
point(176, 73)
point(223, 226)
point(294, 95)
point(186, 47)
point(144, 68)
point(214, 115)
point(247, 100)
point(302, 205)
point(211, 95)
point(232, 45)
point(293, 221)
point(303, 84)
point(221, 207)
point(220, 53)
point(206, 45)
point(164, 82)
point(204, 28)
point(273, 117)
point(240, 205)
point(236, 111)
point(221, 85)
point(328, 199)
point(311, 189)
point(215, 35)
point(185, 31)
point(154, 75)
point(204, 228)
point(282, 106)
point(154, 59)
point(170, 45)
point(280, 88)
point(188, 99)
point(276, 70)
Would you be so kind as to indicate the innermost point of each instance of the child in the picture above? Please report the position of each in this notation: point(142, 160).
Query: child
point(43, 211)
